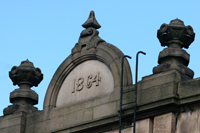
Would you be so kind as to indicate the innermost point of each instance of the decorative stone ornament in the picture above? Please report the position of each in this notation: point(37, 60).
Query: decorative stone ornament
point(26, 73)
point(91, 21)
point(89, 37)
point(176, 36)
point(91, 72)
point(23, 99)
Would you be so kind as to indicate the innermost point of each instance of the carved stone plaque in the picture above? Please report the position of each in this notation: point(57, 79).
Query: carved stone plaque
point(89, 80)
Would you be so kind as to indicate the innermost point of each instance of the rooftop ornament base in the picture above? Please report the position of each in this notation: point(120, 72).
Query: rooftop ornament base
point(175, 36)
point(23, 98)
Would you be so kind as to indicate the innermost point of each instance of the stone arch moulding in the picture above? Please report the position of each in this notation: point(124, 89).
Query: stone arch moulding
point(105, 53)
point(89, 47)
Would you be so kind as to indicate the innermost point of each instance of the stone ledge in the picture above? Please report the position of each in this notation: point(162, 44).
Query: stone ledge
point(12, 120)
point(90, 125)
point(160, 78)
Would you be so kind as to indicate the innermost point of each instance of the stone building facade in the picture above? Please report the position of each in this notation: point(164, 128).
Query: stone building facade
point(84, 93)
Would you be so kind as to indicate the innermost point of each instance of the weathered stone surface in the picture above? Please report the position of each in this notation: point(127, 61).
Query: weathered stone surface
point(25, 93)
point(4, 123)
point(128, 130)
point(91, 103)
point(164, 123)
point(14, 123)
point(157, 93)
point(158, 87)
point(176, 33)
point(144, 126)
point(159, 79)
point(45, 126)
point(91, 21)
point(78, 117)
point(105, 110)
point(89, 37)
point(67, 109)
point(188, 122)
point(189, 91)
point(23, 99)
point(13, 129)
point(97, 101)
point(89, 47)
point(115, 95)
point(176, 36)
point(26, 73)
point(89, 80)
point(198, 121)
point(185, 57)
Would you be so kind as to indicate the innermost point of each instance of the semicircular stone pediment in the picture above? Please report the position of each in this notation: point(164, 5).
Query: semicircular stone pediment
point(89, 80)
point(92, 71)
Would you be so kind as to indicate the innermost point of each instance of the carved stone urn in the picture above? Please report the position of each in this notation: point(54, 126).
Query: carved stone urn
point(176, 36)
point(23, 98)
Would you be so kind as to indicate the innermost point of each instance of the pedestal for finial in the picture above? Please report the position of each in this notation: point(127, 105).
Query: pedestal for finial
point(23, 98)
point(176, 36)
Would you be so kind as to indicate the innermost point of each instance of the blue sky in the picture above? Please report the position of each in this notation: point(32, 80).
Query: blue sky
point(45, 32)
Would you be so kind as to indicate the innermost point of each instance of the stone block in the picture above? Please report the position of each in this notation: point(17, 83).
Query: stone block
point(188, 122)
point(35, 117)
point(161, 78)
point(164, 123)
point(128, 130)
point(115, 95)
point(12, 120)
point(79, 117)
point(157, 93)
point(56, 112)
point(46, 126)
point(97, 102)
point(67, 109)
point(13, 129)
point(74, 108)
point(191, 89)
point(105, 110)
point(144, 126)
point(55, 124)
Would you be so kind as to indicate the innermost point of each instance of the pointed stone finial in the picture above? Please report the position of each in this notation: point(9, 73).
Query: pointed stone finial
point(91, 21)
point(89, 37)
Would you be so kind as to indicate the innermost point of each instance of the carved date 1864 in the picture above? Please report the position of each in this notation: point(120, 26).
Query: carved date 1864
point(79, 83)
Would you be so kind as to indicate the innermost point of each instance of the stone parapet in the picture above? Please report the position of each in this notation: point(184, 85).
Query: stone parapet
point(14, 123)
point(84, 93)
point(189, 91)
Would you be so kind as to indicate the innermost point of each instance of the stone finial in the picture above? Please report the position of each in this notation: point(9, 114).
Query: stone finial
point(89, 37)
point(176, 36)
point(26, 73)
point(23, 99)
point(91, 21)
